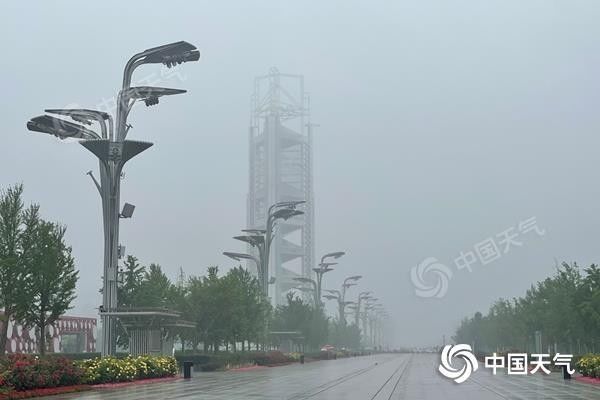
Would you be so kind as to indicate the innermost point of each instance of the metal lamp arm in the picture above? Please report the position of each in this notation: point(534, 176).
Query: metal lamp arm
point(91, 174)
point(131, 66)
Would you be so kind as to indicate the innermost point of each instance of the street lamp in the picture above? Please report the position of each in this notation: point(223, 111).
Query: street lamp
point(113, 151)
point(240, 256)
point(261, 239)
point(335, 255)
point(323, 268)
point(336, 295)
point(281, 210)
point(257, 240)
point(361, 296)
point(312, 282)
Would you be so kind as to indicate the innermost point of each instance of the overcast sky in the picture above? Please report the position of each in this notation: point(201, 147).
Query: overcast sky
point(442, 124)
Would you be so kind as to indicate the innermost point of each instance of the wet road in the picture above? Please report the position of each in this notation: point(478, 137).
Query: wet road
point(381, 377)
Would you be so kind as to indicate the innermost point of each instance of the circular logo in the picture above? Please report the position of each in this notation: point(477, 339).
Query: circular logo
point(430, 278)
point(463, 351)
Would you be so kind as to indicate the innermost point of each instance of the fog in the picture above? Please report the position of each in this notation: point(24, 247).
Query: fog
point(442, 124)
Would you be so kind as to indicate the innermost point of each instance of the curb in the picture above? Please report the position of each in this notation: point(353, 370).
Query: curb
point(588, 380)
point(136, 382)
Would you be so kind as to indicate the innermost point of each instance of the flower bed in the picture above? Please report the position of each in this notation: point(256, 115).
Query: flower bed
point(25, 372)
point(24, 375)
point(589, 365)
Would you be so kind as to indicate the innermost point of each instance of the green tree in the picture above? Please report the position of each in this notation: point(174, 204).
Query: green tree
point(297, 315)
point(205, 308)
point(17, 225)
point(127, 290)
point(132, 276)
point(563, 307)
point(155, 289)
point(49, 278)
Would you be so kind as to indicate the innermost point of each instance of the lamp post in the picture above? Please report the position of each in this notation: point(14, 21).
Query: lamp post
point(348, 282)
point(312, 289)
point(261, 239)
point(335, 295)
point(361, 296)
point(113, 151)
point(370, 304)
point(323, 268)
point(256, 238)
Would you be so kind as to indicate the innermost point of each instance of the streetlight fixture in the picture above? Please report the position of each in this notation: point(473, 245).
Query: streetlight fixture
point(261, 239)
point(60, 128)
point(361, 296)
point(336, 255)
point(336, 295)
point(313, 289)
point(258, 241)
point(241, 256)
point(113, 151)
point(323, 268)
point(281, 210)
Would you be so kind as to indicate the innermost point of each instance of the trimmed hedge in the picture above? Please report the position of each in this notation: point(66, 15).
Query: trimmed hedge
point(212, 362)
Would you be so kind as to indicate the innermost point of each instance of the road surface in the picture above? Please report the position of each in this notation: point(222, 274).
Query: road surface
point(379, 377)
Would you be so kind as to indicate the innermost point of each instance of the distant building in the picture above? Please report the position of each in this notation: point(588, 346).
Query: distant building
point(69, 334)
point(281, 170)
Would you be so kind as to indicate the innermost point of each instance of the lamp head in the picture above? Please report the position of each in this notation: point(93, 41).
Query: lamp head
point(286, 213)
point(353, 278)
point(336, 254)
point(81, 115)
point(255, 231)
point(60, 128)
point(289, 204)
point(252, 240)
point(170, 54)
point(237, 256)
point(149, 94)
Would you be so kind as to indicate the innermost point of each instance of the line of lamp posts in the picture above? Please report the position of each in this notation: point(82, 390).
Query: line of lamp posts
point(365, 309)
point(112, 149)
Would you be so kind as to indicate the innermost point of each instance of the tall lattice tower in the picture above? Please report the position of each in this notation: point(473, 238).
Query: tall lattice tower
point(281, 170)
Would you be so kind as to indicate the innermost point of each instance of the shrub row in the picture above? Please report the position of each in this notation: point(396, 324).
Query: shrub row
point(212, 362)
point(589, 365)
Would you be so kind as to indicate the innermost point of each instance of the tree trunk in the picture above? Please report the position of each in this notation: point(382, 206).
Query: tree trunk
point(42, 339)
point(4, 332)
